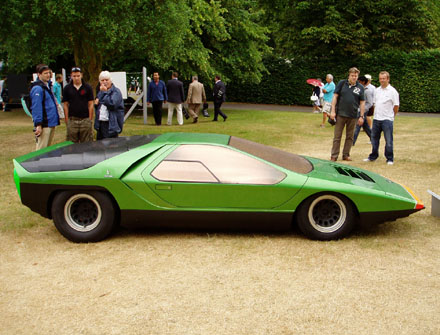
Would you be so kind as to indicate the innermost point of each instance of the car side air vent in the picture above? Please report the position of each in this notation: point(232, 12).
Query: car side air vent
point(353, 173)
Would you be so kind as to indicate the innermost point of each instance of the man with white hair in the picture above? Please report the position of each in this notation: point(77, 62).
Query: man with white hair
point(328, 89)
point(196, 96)
point(109, 118)
point(78, 108)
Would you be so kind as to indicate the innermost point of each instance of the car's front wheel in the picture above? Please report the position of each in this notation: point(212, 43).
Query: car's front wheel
point(83, 216)
point(326, 217)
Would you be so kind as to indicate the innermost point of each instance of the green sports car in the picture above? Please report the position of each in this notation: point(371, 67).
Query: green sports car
point(201, 181)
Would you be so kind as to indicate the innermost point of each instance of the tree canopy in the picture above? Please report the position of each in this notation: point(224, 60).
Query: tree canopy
point(194, 36)
point(229, 37)
point(344, 28)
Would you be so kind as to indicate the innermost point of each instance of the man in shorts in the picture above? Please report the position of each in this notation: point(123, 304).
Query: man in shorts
point(328, 90)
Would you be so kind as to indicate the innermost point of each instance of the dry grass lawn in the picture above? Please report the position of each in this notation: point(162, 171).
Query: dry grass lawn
point(381, 280)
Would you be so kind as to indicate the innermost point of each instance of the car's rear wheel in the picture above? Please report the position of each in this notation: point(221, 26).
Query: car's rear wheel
point(83, 216)
point(326, 216)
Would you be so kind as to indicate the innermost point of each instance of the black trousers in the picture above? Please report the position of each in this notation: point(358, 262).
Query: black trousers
point(103, 131)
point(217, 110)
point(157, 112)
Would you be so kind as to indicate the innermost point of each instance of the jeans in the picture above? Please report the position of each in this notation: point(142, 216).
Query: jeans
point(366, 127)
point(385, 126)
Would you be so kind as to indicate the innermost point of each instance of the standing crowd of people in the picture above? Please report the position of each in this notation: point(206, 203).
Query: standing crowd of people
point(173, 93)
point(82, 112)
point(351, 104)
point(77, 105)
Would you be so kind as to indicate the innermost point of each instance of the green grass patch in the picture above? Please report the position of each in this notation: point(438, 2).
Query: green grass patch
point(416, 150)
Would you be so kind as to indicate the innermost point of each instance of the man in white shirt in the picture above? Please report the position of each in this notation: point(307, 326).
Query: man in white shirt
point(386, 108)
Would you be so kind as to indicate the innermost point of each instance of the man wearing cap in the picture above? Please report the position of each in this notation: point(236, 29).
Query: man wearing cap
point(78, 108)
point(44, 108)
point(347, 99)
point(386, 108)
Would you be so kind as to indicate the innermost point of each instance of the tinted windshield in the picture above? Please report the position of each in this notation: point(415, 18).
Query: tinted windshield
point(279, 157)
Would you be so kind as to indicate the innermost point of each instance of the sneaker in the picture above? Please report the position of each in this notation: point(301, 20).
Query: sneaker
point(348, 159)
point(368, 160)
point(390, 162)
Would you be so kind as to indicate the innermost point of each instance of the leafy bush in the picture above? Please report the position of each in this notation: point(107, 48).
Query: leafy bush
point(415, 75)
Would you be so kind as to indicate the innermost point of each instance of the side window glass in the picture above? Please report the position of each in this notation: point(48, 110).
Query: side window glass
point(183, 171)
point(227, 165)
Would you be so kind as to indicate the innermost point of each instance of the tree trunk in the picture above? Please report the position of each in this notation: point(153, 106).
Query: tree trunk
point(89, 60)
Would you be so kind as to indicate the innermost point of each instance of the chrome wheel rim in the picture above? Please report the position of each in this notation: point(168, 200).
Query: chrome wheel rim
point(327, 213)
point(82, 212)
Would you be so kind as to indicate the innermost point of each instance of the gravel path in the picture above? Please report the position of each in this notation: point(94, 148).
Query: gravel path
point(297, 108)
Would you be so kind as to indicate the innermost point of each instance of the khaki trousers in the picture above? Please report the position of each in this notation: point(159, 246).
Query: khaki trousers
point(349, 124)
point(193, 110)
point(46, 138)
point(79, 130)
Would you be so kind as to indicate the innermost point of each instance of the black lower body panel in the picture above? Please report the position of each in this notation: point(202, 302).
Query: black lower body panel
point(379, 217)
point(207, 220)
point(38, 197)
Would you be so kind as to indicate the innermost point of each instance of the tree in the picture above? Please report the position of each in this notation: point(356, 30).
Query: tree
point(344, 28)
point(192, 35)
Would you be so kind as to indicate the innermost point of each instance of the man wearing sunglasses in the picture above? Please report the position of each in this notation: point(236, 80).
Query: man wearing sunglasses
point(78, 108)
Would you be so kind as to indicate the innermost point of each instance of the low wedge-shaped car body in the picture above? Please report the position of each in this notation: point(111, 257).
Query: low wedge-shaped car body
point(207, 181)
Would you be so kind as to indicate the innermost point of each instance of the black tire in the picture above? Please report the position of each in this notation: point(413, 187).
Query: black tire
point(326, 216)
point(83, 216)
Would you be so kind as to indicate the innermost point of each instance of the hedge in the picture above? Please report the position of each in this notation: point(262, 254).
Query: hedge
point(415, 75)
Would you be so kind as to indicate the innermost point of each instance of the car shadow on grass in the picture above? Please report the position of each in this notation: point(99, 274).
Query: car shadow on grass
point(383, 230)
point(154, 232)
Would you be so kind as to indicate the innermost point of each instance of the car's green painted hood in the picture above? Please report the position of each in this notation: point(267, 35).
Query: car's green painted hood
point(346, 174)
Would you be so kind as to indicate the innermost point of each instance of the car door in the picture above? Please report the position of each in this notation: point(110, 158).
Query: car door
point(201, 176)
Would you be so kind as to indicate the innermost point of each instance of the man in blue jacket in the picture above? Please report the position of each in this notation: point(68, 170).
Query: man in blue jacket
point(44, 108)
point(157, 95)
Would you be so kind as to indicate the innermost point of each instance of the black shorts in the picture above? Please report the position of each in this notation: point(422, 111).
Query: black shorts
point(370, 111)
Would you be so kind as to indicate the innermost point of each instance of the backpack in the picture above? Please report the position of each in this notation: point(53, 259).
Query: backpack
point(26, 100)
